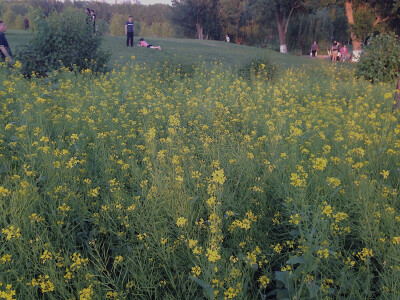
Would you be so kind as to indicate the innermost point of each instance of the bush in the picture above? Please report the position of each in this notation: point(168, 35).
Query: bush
point(62, 40)
point(117, 25)
point(380, 60)
point(260, 68)
point(163, 30)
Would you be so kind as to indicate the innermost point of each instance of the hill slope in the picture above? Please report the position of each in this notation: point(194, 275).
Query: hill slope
point(182, 51)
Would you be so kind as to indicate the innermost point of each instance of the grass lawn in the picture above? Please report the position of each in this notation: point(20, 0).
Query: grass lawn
point(188, 51)
point(184, 51)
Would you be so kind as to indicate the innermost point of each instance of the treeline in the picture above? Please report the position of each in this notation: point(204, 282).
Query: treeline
point(283, 25)
point(294, 23)
point(150, 20)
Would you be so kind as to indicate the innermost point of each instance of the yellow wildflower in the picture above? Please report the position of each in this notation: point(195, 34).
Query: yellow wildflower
point(213, 255)
point(196, 271)
point(181, 222)
point(264, 281)
point(218, 176)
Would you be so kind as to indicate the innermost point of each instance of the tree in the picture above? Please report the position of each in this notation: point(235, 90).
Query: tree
point(356, 41)
point(259, 23)
point(357, 12)
point(47, 5)
point(197, 17)
point(283, 10)
point(309, 26)
point(62, 40)
point(231, 12)
point(381, 58)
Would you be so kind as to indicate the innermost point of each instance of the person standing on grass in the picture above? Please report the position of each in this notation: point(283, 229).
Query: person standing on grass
point(314, 49)
point(26, 23)
point(343, 53)
point(335, 51)
point(143, 43)
point(129, 30)
point(88, 16)
point(93, 16)
point(5, 51)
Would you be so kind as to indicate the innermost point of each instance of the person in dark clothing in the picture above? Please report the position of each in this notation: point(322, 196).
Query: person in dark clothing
point(26, 23)
point(88, 16)
point(335, 51)
point(93, 16)
point(129, 29)
point(314, 49)
point(5, 51)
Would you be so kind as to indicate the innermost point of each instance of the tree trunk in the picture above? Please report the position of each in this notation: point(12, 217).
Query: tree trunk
point(199, 29)
point(355, 40)
point(281, 28)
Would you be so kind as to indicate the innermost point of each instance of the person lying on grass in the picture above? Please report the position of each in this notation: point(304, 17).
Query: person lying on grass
point(143, 43)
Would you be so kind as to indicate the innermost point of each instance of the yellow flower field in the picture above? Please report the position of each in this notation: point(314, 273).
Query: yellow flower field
point(151, 182)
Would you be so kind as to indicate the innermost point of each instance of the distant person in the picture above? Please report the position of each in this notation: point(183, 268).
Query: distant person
point(314, 49)
point(93, 16)
point(88, 16)
point(143, 43)
point(5, 51)
point(335, 50)
point(343, 53)
point(129, 30)
point(26, 23)
point(227, 38)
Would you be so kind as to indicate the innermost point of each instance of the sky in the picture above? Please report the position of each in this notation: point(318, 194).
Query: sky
point(155, 1)
point(145, 2)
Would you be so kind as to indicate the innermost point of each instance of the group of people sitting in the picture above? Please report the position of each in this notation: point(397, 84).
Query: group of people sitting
point(336, 52)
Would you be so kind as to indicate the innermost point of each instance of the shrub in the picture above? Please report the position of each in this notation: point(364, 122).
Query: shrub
point(260, 67)
point(380, 60)
point(62, 40)
point(364, 23)
point(163, 30)
point(117, 24)
point(19, 22)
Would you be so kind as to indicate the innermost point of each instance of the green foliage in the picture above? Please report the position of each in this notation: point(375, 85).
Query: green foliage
point(164, 30)
point(259, 68)
point(62, 40)
point(381, 59)
point(307, 28)
point(363, 23)
point(13, 16)
point(285, 191)
point(231, 13)
point(117, 25)
point(341, 30)
point(196, 18)
point(102, 27)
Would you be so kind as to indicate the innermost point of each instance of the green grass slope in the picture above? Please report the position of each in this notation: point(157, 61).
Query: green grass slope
point(183, 51)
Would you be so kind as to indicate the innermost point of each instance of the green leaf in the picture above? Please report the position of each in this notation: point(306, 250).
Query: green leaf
point(296, 260)
point(282, 277)
point(207, 289)
point(282, 294)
